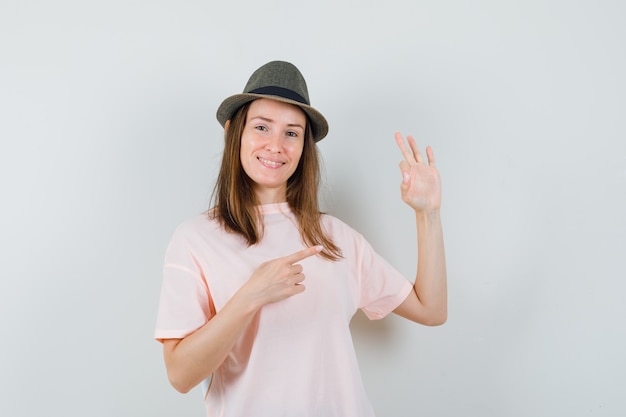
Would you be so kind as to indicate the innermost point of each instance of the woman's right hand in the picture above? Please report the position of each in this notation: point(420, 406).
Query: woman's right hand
point(277, 279)
point(199, 354)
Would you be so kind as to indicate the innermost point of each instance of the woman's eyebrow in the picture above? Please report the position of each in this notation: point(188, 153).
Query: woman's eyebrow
point(265, 119)
point(268, 120)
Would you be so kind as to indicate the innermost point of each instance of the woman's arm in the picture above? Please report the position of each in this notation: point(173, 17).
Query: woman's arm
point(421, 189)
point(192, 359)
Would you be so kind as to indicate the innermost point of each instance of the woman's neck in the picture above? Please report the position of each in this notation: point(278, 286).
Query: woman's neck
point(271, 195)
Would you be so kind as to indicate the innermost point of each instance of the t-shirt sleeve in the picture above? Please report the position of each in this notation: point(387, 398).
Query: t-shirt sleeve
point(184, 304)
point(382, 287)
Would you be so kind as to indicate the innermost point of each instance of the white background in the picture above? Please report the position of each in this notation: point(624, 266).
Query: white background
point(109, 140)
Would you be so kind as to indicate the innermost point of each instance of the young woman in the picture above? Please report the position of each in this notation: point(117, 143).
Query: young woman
point(235, 305)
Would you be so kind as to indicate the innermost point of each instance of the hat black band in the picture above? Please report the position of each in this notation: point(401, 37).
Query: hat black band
point(280, 92)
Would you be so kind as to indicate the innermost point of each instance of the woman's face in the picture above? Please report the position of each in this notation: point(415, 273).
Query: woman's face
point(271, 146)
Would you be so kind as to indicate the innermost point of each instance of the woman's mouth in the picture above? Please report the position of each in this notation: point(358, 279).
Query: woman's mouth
point(269, 163)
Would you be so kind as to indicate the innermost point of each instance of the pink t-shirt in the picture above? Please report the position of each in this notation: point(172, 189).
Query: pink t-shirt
point(296, 358)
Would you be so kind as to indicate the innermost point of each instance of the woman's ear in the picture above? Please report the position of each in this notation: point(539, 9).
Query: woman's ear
point(227, 124)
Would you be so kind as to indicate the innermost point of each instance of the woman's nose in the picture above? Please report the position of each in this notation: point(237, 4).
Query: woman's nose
point(274, 143)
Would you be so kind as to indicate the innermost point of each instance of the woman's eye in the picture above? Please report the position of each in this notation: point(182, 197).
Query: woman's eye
point(261, 128)
point(292, 134)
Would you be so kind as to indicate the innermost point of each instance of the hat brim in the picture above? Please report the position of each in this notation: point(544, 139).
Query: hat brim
point(230, 105)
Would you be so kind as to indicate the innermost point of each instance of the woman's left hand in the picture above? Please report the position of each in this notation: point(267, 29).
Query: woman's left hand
point(421, 184)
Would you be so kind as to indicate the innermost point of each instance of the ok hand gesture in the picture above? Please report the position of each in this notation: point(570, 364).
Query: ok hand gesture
point(421, 184)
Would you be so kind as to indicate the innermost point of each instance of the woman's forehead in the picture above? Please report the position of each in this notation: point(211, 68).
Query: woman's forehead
point(276, 111)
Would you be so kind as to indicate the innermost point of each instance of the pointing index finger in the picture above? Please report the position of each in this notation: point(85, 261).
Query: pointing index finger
point(303, 254)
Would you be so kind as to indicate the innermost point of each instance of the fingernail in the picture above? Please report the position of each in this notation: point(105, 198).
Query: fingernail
point(405, 178)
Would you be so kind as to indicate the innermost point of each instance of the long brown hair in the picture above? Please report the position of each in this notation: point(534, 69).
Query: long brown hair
point(235, 200)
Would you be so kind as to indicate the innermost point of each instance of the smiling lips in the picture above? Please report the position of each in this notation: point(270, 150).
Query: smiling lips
point(270, 164)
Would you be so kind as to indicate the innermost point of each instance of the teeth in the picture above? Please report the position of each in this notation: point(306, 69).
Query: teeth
point(271, 163)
